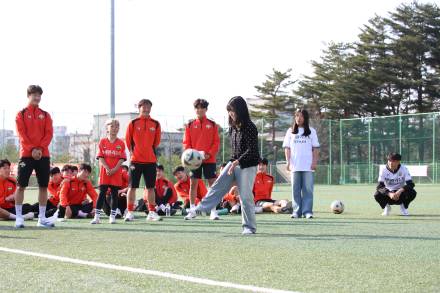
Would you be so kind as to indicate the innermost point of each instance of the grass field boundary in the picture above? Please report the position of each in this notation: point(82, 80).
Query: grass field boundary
point(190, 279)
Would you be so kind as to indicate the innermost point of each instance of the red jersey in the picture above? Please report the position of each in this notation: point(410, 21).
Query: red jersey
point(182, 189)
point(54, 192)
point(35, 130)
point(161, 185)
point(263, 186)
point(142, 139)
point(111, 152)
point(202, 135)
point(7, 187)
point(75, 191)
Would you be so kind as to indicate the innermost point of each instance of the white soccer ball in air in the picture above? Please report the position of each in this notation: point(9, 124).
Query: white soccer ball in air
point(192, 159)
point(337, 207)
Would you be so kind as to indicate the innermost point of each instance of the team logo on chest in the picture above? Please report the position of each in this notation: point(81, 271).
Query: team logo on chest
point(209, 126)
point(152, 129)
point(41, 116)
point(29, 116)
point(118, 147)
point(9, 188)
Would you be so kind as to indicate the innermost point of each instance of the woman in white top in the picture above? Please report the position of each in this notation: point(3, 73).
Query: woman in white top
point(302, 150)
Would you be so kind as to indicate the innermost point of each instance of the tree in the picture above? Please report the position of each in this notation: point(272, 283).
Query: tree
point(273, 102)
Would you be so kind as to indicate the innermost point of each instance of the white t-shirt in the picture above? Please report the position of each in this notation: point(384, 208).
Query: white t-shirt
point(394, 180)
point(301, 148)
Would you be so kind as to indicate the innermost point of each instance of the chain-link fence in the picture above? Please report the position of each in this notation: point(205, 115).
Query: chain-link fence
point(352, 150)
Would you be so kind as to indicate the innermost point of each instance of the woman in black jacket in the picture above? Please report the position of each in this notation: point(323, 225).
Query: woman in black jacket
point(242, 167)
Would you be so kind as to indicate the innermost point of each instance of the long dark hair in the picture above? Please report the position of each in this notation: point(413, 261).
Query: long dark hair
point(306, 126)
point(239, 107)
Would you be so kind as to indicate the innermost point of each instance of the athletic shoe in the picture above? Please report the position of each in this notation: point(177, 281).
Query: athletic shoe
point(309, 216)
point(153, 216)
point(44, 223)
point(192, 214)
point(235, 209)
point(403, 210)
point(95, 221)
point(129, 217)
point(54, 217)
point(295, 216)
point(214, 215)
point(28, 216)
point(258, 210)
point(247, 231)
point(386, 210)
point(19, 223)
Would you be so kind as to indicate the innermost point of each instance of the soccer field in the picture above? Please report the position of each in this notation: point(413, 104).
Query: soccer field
point(356, 251)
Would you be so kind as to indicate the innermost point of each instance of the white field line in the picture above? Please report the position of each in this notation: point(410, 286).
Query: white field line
point(190, 279)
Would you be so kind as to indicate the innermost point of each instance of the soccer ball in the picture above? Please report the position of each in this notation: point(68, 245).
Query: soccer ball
point(192, 159)
point(337, 207)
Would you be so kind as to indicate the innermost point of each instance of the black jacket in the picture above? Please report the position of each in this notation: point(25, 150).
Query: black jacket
point(244, 145)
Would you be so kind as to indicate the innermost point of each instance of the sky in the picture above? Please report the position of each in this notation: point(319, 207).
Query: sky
point(171, 52)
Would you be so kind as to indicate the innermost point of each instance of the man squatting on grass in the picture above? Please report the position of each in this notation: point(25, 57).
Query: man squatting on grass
point(395, 186)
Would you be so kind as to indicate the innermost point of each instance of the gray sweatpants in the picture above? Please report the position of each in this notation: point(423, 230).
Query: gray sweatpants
point(245, 182)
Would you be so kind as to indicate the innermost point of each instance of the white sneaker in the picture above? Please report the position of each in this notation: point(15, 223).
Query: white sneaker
point(192, 214)
point(403, 211)
point(386, 210)
point(214, 215)
point(118, 212)
point(153, 216)
point(54, 216)
point(309, 216)
point(112, 220)
point(235, 209)
point(19, 222)
point(259, 210)
point(294, 216)
point(28, 216)
point(247, 231)
point(95, 221)
point(45, 223)
point(129, 217)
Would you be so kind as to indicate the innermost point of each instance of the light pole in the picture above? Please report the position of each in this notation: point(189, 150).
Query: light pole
point(112, 60)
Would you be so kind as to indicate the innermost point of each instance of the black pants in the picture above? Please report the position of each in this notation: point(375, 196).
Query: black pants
point(26, 208)
point(406, 197)
point(122, 205)
point(113, 197)
point(86, 208)
point(50, 209)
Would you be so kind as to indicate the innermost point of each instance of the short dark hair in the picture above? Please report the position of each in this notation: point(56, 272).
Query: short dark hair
point(66, 168)
point(54, 170)
point(144, 102)
point(125, 167)
point(178, 169)
point(263, 161)
point(201, 103)
point(34, 89)
point(85, 167)
point(4, 162)
point(160, 167)
point(394, 157)
point(73, 168)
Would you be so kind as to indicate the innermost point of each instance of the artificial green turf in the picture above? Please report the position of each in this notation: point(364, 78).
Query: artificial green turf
point(356, 251)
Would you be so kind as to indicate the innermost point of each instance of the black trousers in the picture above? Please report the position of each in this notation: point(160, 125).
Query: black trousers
point(406, 198)
point(121, 204)
point(86, 208)
point(50, 209)
point(113, 196)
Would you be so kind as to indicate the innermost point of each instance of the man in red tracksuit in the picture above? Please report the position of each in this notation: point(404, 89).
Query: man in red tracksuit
point(35, 131)
point(262, 191)
point(182, 187)
point(142, 138)
point(8, 185)
point(73, 195)
point(202, 134)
